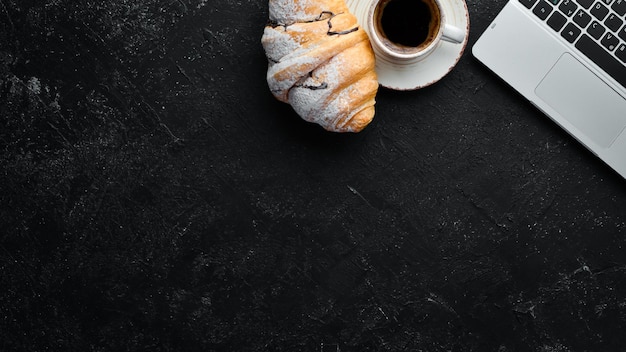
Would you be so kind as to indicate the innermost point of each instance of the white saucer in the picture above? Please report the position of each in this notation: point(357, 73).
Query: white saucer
point(415, 75)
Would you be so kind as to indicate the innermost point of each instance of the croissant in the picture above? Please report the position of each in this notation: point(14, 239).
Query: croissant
point(321, 63)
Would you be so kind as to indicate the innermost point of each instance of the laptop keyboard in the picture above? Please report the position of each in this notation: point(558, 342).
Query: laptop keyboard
point(597, 28)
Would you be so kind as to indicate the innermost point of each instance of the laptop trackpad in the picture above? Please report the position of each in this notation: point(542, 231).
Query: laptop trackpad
point(584, 100)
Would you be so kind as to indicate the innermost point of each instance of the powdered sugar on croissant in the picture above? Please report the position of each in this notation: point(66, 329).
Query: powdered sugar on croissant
point(321, 62)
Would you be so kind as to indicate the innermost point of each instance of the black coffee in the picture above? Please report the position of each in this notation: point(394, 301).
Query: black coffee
point(406, 22)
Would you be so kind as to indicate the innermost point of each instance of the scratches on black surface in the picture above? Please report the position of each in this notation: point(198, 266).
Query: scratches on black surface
point(356, 193)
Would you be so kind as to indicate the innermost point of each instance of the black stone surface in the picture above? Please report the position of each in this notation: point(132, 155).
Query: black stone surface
point(156, 197)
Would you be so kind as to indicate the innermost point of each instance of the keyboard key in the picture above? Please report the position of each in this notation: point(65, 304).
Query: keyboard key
point(622, 33)
point(619, 6)
point(596, 30)
point(609, 41)
point(613, 22)
point(542, 10)
point(568, 7)
point(607, 2)
point(528, 3)
point(585, 3)
point(554, 2)
point(603, 59)
point(571, 32)
point(621, 52)
point(582, 18)
point(557, 21)
point(599, 11)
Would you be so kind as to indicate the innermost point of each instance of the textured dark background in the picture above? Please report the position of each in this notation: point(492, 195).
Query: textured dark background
point(155, 197)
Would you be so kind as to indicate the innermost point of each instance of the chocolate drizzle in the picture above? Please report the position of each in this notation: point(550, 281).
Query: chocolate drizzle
point(331, 15)
point(323, 16)
point(322, 85)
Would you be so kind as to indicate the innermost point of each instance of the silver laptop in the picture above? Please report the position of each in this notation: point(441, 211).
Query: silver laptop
point(567, 57)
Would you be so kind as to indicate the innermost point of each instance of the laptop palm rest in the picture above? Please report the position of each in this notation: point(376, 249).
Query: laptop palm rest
point(586, 102)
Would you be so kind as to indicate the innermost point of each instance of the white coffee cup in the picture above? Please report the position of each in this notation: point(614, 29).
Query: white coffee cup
point(402, 30)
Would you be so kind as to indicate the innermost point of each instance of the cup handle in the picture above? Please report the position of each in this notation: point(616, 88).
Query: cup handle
point(453, 34)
